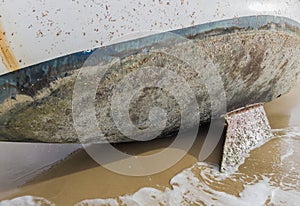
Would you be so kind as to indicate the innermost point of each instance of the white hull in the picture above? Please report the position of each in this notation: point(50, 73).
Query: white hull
point(36, 31)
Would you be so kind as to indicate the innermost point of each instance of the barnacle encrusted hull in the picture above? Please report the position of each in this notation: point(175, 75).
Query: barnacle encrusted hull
point(256, 58)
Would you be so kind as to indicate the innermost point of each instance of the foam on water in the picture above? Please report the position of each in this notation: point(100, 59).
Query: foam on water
point(27, 201)
point(188, 190)
point(110, 202)
point(289, 152)
point(203, 184)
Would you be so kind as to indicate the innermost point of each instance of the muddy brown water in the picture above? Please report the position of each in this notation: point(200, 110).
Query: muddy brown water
point(61, 176)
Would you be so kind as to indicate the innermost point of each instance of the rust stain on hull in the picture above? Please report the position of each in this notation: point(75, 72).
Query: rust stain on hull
point(6, 53)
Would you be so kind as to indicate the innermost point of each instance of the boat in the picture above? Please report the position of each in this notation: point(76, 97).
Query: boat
point(133, 69)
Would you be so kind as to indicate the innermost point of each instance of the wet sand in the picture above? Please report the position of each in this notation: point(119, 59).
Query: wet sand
point(267, 175)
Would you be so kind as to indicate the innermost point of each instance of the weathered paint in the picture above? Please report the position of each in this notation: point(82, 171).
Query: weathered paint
point(6, 53)
point(247, 129)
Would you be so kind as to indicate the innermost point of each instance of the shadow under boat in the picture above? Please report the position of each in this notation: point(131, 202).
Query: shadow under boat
point(72, 159)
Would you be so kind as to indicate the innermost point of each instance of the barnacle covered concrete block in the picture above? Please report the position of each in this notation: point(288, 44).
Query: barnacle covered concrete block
point(248, 128)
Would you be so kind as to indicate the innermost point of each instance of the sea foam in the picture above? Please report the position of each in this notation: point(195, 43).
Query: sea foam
point(203, 184)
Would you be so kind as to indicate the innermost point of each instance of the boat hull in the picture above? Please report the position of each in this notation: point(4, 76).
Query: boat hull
point(256, 59)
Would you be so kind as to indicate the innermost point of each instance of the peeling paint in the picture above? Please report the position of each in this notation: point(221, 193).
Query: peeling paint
point(6, 52)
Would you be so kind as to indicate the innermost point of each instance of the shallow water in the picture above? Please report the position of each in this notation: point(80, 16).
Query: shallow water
point(269, 176)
